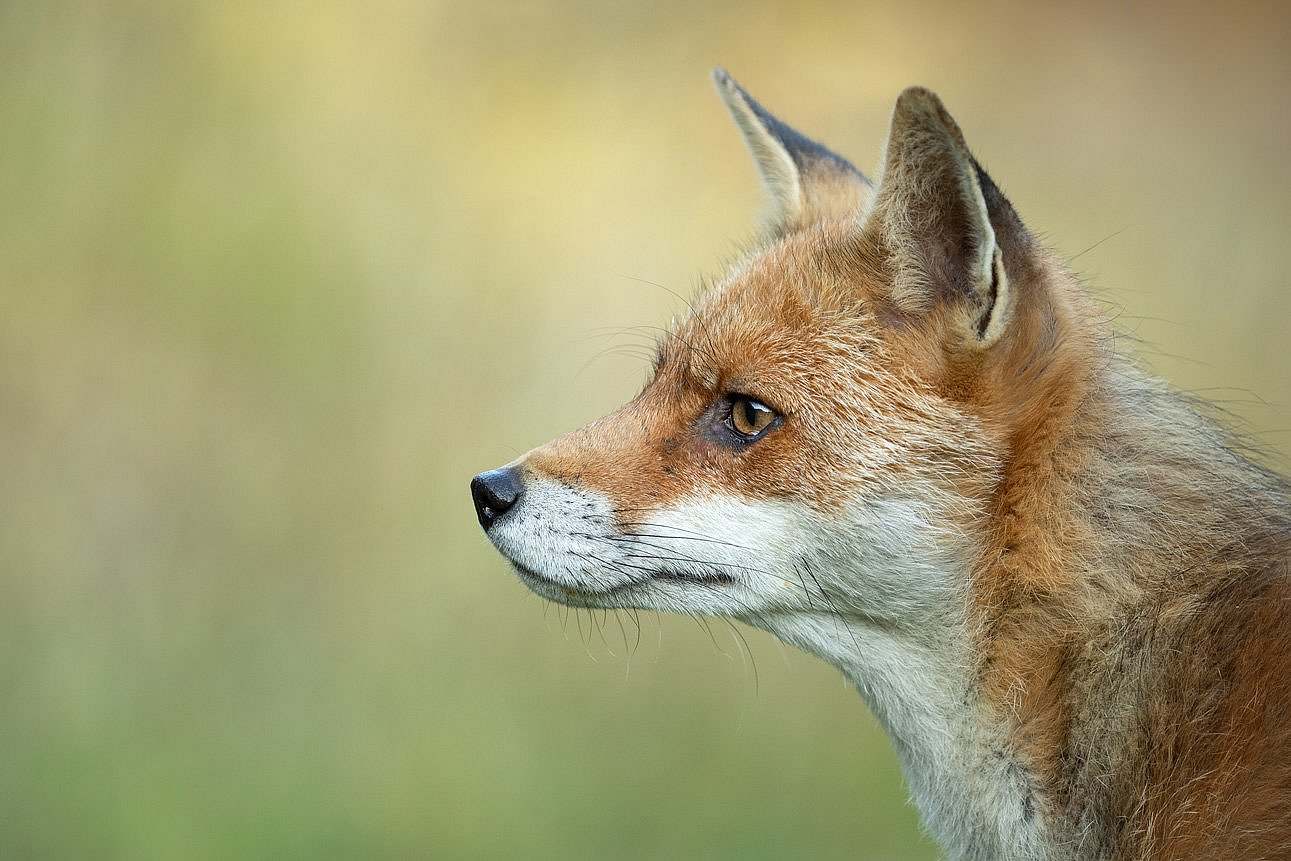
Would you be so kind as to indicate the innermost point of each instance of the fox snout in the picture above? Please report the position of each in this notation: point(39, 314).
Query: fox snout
point(495, 492)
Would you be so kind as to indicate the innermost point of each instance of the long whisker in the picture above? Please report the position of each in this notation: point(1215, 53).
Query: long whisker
point(702, 621)
point(838, 614)
point(675, 532)
point(701, 562)
point(751, 663)
point(629, 537)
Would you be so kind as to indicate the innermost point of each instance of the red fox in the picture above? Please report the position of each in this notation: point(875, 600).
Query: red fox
point(898, 435)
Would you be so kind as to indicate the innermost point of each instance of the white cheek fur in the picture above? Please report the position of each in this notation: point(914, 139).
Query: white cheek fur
point(887, 560)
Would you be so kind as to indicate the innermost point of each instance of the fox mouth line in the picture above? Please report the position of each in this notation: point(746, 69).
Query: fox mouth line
point(532, 577)
point(716, 578)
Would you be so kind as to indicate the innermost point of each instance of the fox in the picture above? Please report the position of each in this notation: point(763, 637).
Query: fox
point(902, 436)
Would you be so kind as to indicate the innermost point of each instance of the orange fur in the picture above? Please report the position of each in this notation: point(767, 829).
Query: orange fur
point(1125, 591)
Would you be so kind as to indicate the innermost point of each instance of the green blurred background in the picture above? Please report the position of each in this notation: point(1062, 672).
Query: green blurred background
point(276, 278)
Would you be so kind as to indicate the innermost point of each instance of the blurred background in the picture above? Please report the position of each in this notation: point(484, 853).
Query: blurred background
point(277, 278)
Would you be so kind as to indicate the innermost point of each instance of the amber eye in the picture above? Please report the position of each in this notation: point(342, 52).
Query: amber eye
point(749, 419)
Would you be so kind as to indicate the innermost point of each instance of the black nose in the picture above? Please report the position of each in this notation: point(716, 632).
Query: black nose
point(494, 492)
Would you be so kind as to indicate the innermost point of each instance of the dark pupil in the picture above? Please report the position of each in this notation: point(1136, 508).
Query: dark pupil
point(751, 414)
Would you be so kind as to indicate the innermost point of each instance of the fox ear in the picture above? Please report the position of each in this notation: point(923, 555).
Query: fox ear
point(934, 220)
point(808, 182)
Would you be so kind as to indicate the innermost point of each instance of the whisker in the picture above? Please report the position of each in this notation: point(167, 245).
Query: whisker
point(623, 632)
point(678, 534)
point(694, 313)
point(702, 621)
point(751, 663)
point(838, 614)
point(578, 620)
point(631, 536)
point(701, 562)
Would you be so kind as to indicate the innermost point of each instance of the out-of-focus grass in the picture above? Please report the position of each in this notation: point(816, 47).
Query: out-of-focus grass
point(277, 278)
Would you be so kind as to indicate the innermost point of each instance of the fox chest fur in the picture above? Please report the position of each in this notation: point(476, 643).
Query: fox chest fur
point(896, 436)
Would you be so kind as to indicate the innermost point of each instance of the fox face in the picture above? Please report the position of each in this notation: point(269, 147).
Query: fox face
point(783, 458)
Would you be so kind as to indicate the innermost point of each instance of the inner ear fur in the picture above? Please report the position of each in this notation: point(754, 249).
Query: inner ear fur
point(807, 181)
point(932, 219)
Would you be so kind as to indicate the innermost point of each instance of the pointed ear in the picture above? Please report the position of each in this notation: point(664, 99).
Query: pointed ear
point(808, 182)
point(933, 219)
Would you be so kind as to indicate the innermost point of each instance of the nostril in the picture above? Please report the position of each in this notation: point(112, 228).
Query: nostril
point(494, 493)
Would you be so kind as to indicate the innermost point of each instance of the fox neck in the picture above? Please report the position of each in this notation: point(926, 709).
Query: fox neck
point(974, 795)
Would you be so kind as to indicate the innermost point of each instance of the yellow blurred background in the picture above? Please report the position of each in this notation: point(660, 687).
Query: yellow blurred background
point(276, 278)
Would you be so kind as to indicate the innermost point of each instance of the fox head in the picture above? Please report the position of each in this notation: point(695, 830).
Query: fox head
point(897, 436)
point(820, 449)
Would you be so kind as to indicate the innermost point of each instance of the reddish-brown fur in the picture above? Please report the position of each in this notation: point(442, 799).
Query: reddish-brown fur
point(1216, 710)
point(1130, 596)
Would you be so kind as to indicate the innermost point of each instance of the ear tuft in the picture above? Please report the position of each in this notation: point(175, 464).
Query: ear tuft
point(806, 180)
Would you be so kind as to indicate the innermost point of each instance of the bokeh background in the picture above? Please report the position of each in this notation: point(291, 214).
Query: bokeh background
point(276, 278)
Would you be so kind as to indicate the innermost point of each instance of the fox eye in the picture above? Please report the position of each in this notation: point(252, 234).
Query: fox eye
point(750, 419)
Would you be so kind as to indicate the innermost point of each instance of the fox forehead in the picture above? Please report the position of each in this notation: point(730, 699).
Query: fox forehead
point(785, 314)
